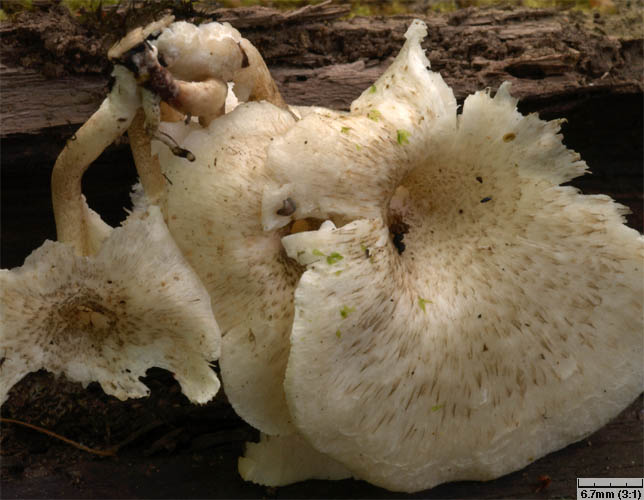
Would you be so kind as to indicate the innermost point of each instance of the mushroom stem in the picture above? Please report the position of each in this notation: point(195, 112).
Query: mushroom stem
point(103, 127)
point(254, 82)
point(205, 99)
point(147, 166)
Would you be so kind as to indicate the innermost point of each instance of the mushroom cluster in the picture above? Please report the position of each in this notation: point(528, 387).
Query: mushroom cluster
point(421, 301)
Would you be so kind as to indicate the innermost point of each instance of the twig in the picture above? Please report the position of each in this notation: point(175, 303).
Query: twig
point(137, 434)
point(103, 453)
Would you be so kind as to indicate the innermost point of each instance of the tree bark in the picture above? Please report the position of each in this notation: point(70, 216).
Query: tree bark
point(318, 59)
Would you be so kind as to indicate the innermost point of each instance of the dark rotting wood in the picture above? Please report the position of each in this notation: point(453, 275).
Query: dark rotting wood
point(321, 59)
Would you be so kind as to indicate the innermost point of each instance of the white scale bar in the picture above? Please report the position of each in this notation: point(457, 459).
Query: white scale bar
point(610, 482)
point(612, 488)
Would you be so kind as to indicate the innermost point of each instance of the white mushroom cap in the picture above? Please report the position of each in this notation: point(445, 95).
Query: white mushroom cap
point(196, 53)
point(282, 460)
point(417, 374)
point(510, 324)
point(396, 117)
point(110, 317)
point(213, 212)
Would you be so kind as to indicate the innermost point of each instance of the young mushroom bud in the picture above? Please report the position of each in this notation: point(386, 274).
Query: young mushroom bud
point(214, 50)
point(200, 62)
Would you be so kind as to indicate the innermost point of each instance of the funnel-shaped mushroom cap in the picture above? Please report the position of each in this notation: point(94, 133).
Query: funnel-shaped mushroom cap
point(481, 318)
point(461, 362)
point(110, 317)
point(391, 119)
point(282, 460)
point(214, 206)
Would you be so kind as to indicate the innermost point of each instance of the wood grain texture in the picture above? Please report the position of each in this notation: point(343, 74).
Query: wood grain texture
point(31, 103)
point(318, 59)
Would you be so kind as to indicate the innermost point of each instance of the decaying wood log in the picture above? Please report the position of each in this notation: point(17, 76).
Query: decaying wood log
point(33, 103)
point(319, 59)
point(263, 17)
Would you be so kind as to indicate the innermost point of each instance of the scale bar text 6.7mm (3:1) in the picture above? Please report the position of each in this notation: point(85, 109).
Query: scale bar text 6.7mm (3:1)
point(618, 488)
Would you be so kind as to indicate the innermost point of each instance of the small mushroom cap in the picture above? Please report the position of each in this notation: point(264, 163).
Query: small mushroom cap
point(213, 206)
point(196, 53)
point(136, 37)
point(477, 315)
point(282, 460)
point(110, 317)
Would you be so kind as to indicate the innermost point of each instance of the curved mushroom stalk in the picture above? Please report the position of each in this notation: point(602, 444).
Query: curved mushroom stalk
point(111, 316)
point(147, 165)
point(75, 223)
point(201, 66)
point(478, 315)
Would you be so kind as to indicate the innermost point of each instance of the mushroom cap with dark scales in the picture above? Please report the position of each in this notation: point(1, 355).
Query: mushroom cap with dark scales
point(109, 317)
point(508, 325)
